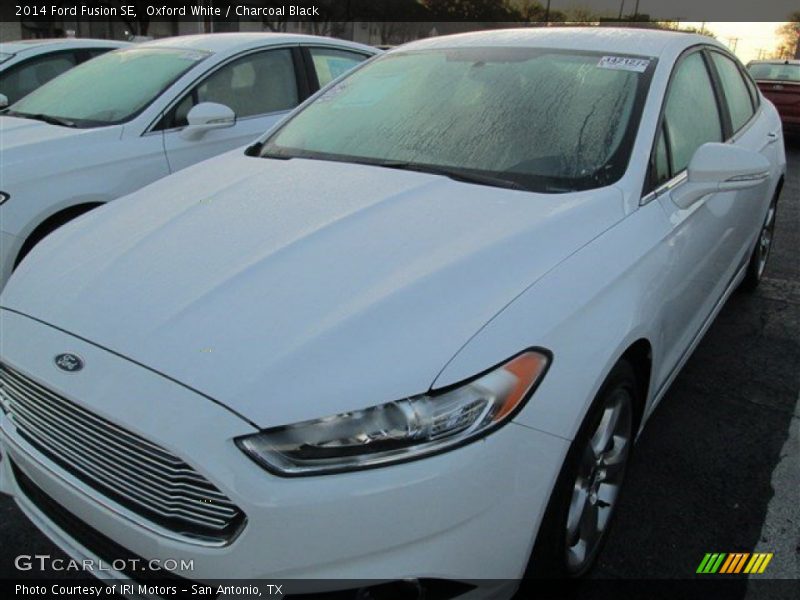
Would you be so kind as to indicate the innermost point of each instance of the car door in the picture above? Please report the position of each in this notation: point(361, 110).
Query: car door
point(697, 269)
point(260, 87)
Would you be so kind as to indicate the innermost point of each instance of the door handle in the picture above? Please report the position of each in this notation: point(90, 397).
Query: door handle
point(772, 137)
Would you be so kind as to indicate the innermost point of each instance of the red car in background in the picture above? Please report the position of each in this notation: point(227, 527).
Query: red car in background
point(779, 81)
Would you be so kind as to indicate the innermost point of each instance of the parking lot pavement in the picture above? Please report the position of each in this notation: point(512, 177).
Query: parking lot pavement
point(716, 470)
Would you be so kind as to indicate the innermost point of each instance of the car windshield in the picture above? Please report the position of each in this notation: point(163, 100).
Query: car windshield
point(534, 119)
point(109, 89)
point(775, 72)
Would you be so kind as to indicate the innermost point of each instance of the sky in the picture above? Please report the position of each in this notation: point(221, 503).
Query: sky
point(751, 37)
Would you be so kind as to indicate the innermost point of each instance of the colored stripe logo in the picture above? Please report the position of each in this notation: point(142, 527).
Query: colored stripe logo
point(734, 562)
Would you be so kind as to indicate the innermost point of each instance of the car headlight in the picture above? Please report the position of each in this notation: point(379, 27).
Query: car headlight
point(403, 430)
point(4, 197)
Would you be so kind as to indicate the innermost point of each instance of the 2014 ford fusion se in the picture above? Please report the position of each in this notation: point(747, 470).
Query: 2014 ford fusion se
point(412, 333)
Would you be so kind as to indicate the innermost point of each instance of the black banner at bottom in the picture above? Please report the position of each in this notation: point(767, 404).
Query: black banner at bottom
point(722, 588)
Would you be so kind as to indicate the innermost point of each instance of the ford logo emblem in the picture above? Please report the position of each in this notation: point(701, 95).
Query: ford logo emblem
point(69, 362)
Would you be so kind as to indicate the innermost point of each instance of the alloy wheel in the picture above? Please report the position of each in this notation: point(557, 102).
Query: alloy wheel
point(597, 485)
point(765, 239)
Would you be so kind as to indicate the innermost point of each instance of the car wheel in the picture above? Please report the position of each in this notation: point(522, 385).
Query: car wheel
point(579, 514)
point(760, 256)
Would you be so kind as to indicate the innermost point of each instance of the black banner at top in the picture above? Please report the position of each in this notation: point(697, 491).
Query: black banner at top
point(486, 11)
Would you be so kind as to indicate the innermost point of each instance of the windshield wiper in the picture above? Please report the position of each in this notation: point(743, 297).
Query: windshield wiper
point(41, 117)
point(255, 150)
point(454, 173)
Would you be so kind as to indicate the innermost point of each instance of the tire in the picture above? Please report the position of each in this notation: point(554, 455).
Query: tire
point(590, 481)
point(760, 255)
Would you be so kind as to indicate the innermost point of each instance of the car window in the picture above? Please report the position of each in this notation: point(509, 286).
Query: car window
point(691, 114)
point(752, 88)
point(661, 170)
point(775, 72)
point(255, 84)
point(734, 87)
point(21, 80)
point(548, 120)
point(111, 88)
point(330, 63)
point(177, 116)
point(95, 52)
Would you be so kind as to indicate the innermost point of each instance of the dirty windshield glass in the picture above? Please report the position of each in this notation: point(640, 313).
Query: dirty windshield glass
point(109, 89)
point(525, 118)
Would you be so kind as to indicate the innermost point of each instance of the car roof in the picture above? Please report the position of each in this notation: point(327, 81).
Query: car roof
point(231, 42)
point(18, 46)
point(624, 40)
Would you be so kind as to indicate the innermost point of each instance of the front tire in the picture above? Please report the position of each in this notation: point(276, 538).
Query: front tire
point(760, 256)
point(581, 508)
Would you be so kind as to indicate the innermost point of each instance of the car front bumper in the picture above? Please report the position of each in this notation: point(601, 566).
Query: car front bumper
point(468, 514)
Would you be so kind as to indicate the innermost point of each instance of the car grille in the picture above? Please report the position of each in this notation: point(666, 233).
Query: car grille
point(123, 466)
point(132, 565)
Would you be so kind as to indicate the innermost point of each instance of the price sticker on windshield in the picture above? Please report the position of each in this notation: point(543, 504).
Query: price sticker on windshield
point(624, 63)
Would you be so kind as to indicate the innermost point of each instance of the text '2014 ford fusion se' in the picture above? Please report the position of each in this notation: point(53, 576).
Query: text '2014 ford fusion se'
point(412, 332)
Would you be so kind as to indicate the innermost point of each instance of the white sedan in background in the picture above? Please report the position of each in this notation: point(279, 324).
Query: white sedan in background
point(26, 65)
point(413, 332)
point(117, 123)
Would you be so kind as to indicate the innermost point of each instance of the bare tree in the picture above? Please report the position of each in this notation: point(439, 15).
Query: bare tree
point(335, 17)
point(789, 37)
point(579, 14)
point(529, 10)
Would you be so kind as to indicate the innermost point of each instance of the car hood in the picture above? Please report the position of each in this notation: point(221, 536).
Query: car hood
point(290, 290)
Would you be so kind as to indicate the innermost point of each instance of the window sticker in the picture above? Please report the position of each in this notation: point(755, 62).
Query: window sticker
point(624, 63)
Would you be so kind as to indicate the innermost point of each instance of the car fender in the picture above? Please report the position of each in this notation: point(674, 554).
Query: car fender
point(40, 196)
point(587, 311)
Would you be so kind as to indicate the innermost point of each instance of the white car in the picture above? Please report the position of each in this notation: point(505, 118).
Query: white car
point(26, 65)
point(413, 333)
point(117, 123)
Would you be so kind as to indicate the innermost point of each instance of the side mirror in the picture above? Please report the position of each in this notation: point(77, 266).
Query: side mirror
point(719, 167)
point(3, 100)
point(206, 116)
